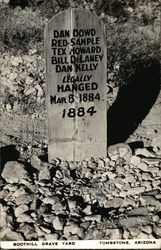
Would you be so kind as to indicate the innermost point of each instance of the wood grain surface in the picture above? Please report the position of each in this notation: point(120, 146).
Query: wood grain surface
point(74, 133)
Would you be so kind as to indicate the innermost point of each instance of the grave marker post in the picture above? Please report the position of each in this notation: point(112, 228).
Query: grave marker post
point(75, 54)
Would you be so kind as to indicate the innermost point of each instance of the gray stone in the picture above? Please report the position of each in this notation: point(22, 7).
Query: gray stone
point(101, 164)
point(94, 234)
point(5, 219)
point(119, 185)
point(143, 166)
point(3, 193)
point(110, 175)
point(4, 231)
point(28, 231)
point(34, 215)
point(73, 228)
point(58, 223)
point(114, 233)
point(135, 161)
point(10, 187)
point(87, 210)
point(132, 221)
point(150, 201)
point(117, 202)
point(20, 210)
point(129, 179)
point(151, 161)
point(137, 184)
point(127, 168)
point(73, 165)
point(73, 237)
point(45, 191)
point(3, 208)
point(143, 235)
point(156, 183)
point(134, 232)
point(42, 209)
point(15, 61)
point(106, 160)
point(93, 218)
point(9, 235)
point(29, 90)
point(24, 199)
point(14, 172)
point(51, 200)
point(36, 163)
point(146, 176)
point(40, 232)
point(42, 238)
point(126, 234)
point(119, 150)
point(44, 174)
point(26, 182)
point(19, 192)
point(24, 218)
point(136, 190)
point(144, 152)
point(33, 205)
point(58, 208)
point(13, 76)
point(34, 188)
point(155, 218)
point(49, 218)
point(147, 185)
point(147, 229)
point(87, 173)
point(158, 196)
point(72, 204)
point(112, 164)
point(39, 220)
point(157, 231)
point(53, 236)
point(31, 53)
point(139, 211)
point(125, 151)
point(156, 141)
point(127, 202)
point(59, 174)
point(39, 90)
point(45, 229)
point(154, 170)
point(85, 225)
point(5, 1)
point(123, 193)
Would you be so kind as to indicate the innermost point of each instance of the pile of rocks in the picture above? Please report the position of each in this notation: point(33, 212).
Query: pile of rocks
point(23, 81)
point(117, 197)
point(4, 1)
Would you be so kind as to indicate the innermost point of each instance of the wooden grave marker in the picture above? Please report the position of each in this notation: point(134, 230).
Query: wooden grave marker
point(75, 54)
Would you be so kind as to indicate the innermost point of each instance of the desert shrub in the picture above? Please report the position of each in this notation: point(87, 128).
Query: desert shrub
point(130, 47)
point(21, 28)
point(47, 7)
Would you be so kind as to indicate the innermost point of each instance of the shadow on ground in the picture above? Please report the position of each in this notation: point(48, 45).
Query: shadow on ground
point(8, 153)
point(133, 103)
